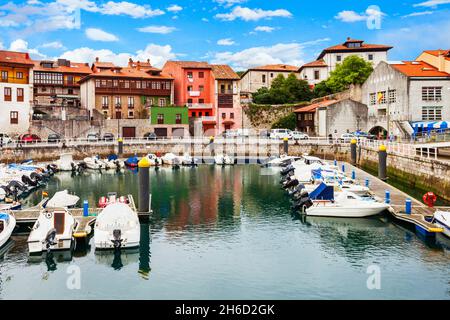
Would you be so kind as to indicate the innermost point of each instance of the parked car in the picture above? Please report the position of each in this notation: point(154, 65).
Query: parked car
point(347, 137)
point(4, 139)
point(29, 138)
point(280, 133)
point(54, 138)
point(150, 136)
point(92, 137)
point(297, 135)
point(108, 137)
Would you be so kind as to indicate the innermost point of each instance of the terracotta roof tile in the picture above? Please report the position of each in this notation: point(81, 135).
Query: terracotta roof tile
point(126, 72)
point(277, 67)
point(15, 57)
point(418, 69)
point(75, 67)
point(191, 64)
point(317, 63)
point(364, 47)
point(224, 72)
point(436, 53)
point(314, 106)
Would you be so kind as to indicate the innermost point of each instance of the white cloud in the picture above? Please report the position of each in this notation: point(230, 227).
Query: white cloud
point(100, 35)
point(287, 53)
point(229, 3)
point(205, 20)
point(174, 8)
point(22, 46)
point(53, 45)
point(417, 14)
point(157, 54)
point(157, 29)
point(431, 3)
point(248, 14)
point(352, 16)
point(264, 28)
point(128, 8)
point(225, 42)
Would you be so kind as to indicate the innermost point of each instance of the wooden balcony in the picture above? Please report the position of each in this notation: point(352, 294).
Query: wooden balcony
point(225, 100)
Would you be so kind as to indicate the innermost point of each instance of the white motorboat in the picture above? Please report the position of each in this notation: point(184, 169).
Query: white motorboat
point(442, 220)
point(154, 160)
point(223, 160)
point(2, 194)
point(66, 163)
point(171, 159)
point(53, 230)
point(321, 202)
point(282, 160)
point(228, 160)
point(93, 163)
point(7, 225)
point(187, 160)
point(117, 226)
point(14, 205)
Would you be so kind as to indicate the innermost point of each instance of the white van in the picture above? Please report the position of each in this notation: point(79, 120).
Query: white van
point(280, 134)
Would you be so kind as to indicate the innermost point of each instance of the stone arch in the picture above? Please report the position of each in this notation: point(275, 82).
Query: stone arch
point(379, 132)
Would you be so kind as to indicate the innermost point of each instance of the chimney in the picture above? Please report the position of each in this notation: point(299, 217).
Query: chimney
point(130, 63)
point(138, 65)
point(441, 61)
point(97, 59)
point(148, 61)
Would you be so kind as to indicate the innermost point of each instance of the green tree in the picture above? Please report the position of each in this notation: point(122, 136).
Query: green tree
point(287, 122)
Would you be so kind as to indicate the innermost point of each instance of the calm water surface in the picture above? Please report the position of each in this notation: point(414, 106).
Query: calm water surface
point(228, 233)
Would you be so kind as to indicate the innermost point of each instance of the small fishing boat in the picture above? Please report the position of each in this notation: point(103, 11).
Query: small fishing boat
point(171, 159)
point(15, 205)
point(66, 163)
point(132, 162)
point(187, 160)
point(117, 226)
point(154, 160)
point(53, 230)
point(111, 198)
point(442, 220)
point(283, 160)
point(93, 163)
point(223, 160)
point(7, 225)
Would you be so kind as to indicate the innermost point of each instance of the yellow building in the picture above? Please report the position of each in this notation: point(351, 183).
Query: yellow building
point(439, 59)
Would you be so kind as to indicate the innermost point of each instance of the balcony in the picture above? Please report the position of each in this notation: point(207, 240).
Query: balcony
point(105, 106)
point(210, 119)
point(223, 91)
point(194, 93)
point(199, 105)
point(225, 100)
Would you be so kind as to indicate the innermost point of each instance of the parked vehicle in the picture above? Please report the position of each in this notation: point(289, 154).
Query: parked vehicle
point(297, 135)
point(54, 138)
point(280, 133)
point(92, 137)
point(108, 137)
point(347, 137)
point(150, 136)
point(4, 139)
point(29, 138)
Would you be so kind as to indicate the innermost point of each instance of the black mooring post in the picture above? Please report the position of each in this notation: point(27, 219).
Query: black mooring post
point(353, 151)
point(382, 163)
point(144, 185)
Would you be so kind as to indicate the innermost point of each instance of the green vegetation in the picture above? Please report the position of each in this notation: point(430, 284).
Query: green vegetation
point(353, 70)
point(287, 122)
point(284, 90)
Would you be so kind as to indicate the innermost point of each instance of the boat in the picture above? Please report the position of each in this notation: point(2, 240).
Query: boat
point(111, 198)
point(93, 163)
point(223, 160)
point(7, 225)
point(283, 160)
point(117, 227)
point(53, 230)
point(171, 159)
point(132, 162)
point(187, 160)
point(15, 205)
point(154, 160)
point(66, 163)
point(321, 202)
point(442, 220)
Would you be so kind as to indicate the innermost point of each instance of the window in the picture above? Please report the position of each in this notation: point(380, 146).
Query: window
point(189, 75)
point(431, 93)
point(51, 78)
point(392, 96)
point(354, 45)
point(7, 94)
point(370, 57)
point(131, 102)
point(207, 113)
point(162, 102)
point(263, 78)
point(105, 102)
point(382, 97)
point(178, 118)
point(52, 90)
point(160, 118)
point(190, 101)
point(127, 84)
point(19, 75)
point(117, 102)
point(4, 75)
point(130, 114)
point(373, 99)
point(308, 116)
point(69, 91)
point(316, 74)
point(194, 114)
point(20, 94)
point(70, 80)
point(115, 83)
point(14, 117)
point(271, 75)
point(232, 115)
point(338, 58)
point(189, 88)
point(97, 83)
point(201, 74)
point(431, 113)
point(223, 115)
point(201, 100)
point(138, 84)
point(201, 88)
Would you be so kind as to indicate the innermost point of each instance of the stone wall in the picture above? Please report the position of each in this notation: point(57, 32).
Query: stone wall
point(263, 116)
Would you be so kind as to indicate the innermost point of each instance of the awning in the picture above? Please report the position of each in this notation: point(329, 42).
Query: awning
point(429, 126)
point(228, 122)
point(67, 96)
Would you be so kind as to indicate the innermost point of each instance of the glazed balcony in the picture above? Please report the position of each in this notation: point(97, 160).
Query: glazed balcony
point(199, 105)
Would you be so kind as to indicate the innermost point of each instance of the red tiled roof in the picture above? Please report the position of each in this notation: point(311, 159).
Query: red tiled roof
point(103, 65)
point(437, 53)
point(314, 106)
point(364, 47)
point(276, 67)
point(418, 69)
point(15, 57)
point(191, 64)
point(224, 72)
point(318, 63)
point(75, 67)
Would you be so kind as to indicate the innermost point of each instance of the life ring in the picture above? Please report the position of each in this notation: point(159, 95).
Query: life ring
point(48, 215)
point(429, 199)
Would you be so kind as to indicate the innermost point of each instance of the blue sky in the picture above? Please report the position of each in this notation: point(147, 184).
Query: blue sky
point(242, 33)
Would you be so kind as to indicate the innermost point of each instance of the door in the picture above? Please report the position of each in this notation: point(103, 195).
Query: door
point(59, 221)
point(322, 123)
point(129, 132)
point(118, 114)
point(161, 132)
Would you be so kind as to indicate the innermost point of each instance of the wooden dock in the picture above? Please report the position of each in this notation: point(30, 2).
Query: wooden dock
point(420, 213)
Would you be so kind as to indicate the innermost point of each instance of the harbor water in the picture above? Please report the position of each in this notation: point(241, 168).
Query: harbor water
point(229, 233)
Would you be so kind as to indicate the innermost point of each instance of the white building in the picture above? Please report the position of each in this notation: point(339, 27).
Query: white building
point(400, 94)
point(329, 58)
point(263, 76)
point(15, 92)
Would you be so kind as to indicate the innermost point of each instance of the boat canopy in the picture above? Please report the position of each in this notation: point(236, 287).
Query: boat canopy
point(62, 199)
point(112, 157)
point(322, 192)
point(4, 216)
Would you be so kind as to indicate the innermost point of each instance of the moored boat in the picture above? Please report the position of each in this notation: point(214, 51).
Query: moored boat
point(442, 220)
point(7, 225)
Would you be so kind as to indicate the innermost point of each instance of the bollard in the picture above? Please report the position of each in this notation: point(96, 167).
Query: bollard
point(382, 163)
point(144, 185)
point(120, 146)
point(286, 146)
point(85, 208)
point(335, 162)
point(367, 182)
point(408, 206)
point(343, 167)
point(387, 196)
point(353, 151)
point(353, 175)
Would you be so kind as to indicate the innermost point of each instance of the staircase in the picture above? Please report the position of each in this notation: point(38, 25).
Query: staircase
point(405, 129)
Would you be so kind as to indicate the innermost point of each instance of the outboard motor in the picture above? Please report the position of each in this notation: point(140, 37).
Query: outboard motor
point(117, 241)
point(36, 177)
point(28, 181)
point(297, 189)
point(291, 183)
point(286, 170)
point(303, 203)
point(73, 166)
point(16, 188)
point(50, 239)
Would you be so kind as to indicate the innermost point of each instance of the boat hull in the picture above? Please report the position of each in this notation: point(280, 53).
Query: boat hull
point(344, 212)
point(37, 247)
point(7, 232)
